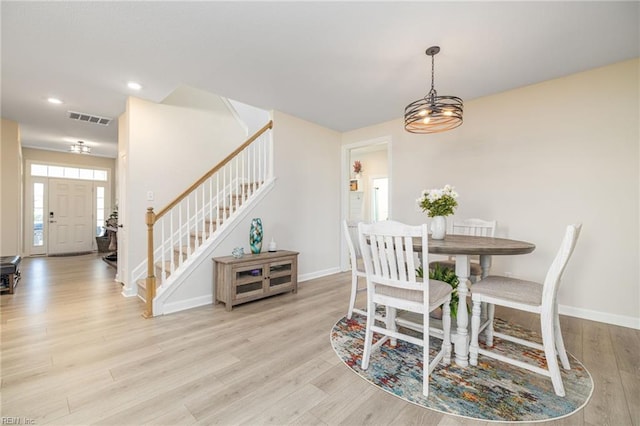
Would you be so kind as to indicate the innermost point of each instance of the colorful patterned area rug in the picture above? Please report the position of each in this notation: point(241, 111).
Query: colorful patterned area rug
point(492, 391)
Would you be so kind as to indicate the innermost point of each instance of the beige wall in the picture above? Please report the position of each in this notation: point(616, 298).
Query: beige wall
point(10, 190)
point(301, 213)
point(536, 159)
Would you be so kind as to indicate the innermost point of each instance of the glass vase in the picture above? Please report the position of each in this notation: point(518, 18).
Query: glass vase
point(255, 236)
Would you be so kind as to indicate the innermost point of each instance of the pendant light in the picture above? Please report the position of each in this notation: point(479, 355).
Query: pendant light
point(433, 113)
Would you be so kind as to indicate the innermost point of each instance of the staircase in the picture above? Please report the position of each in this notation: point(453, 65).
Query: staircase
point(185, 232)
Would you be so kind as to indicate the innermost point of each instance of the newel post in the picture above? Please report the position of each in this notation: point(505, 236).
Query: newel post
point(150, 219)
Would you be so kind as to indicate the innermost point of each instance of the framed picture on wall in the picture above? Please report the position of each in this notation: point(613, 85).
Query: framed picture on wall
point(353, 184)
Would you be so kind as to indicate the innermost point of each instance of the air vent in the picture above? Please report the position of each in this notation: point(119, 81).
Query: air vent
point(81, 116)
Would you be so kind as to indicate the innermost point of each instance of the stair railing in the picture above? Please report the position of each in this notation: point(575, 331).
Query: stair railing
point(191, 218)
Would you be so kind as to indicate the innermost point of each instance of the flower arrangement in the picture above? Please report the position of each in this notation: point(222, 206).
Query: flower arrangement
point(357, 166)
point(438, 202)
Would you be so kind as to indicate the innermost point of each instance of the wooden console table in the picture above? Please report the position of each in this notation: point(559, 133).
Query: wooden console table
point(254, 276)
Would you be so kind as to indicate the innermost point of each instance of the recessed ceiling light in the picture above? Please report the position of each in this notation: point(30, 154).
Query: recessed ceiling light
point(134, 86)
point(54, 101)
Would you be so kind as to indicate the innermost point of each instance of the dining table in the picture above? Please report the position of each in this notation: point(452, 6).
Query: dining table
point(463, 247)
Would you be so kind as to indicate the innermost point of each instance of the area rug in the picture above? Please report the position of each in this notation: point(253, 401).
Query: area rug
point(491, 391)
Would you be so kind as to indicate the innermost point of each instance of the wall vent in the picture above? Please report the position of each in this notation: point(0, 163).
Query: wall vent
point(81, 116)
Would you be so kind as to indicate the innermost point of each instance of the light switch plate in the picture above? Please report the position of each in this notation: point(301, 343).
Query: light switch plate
point(149, 195)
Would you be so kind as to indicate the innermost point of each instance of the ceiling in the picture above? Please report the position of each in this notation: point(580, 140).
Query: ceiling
point(342, 65)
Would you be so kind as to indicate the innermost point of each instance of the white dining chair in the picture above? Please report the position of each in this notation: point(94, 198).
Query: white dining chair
point(350, 229)
point(392, 282)
point(474, 227)
point(530, 297)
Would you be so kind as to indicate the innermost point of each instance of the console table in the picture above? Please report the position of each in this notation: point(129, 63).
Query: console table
point(254, 276)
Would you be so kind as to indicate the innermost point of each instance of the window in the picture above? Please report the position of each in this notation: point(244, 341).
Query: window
point(68, 172)
point(99, 209)
point(38, 214)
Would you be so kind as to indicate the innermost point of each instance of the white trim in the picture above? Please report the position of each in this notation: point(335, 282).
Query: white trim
point(318, 274)
point(182, 305)
point(605, 317)
point(129, 291)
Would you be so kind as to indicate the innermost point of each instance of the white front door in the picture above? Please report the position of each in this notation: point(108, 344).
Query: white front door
point(70, 216)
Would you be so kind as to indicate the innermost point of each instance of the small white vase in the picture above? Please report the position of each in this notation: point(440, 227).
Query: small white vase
point(438, 227)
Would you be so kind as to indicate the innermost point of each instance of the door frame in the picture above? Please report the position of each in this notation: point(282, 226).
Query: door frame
point(29, 248)
point(344, 186)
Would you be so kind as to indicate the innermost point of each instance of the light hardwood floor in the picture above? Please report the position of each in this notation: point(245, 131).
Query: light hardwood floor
point(75, 352)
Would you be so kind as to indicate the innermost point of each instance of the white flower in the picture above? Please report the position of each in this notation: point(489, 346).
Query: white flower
point(438, 202)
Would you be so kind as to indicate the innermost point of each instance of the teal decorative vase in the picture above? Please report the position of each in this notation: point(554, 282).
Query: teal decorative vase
point(255, 236)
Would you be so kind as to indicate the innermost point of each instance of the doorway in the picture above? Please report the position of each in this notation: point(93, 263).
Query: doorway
point(366, 194)
point(64, 208)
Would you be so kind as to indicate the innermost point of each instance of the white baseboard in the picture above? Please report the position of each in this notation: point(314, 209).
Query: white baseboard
point(129, 291)
point(318, 274)
point(621, 320)
point(181, 305)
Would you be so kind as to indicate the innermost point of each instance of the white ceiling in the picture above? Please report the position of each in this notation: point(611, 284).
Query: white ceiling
point(343, 65)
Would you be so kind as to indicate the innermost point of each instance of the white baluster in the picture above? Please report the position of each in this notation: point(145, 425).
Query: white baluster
point(171, 242)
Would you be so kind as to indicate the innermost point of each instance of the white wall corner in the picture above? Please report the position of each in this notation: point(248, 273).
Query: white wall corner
point(234, 113)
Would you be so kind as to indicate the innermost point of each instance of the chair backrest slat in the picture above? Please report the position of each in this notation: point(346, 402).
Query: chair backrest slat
point(387, 251)
point(474, 227)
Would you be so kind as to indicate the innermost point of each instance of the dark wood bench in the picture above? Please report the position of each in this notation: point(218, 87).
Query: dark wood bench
point(9, 272)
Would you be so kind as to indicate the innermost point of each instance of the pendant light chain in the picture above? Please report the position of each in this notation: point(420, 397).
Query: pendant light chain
point(433, 60)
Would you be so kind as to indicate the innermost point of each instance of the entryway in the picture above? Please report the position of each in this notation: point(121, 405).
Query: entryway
point(66, 207)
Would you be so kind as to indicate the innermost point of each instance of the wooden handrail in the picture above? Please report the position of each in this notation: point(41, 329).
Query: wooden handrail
point(210, 173)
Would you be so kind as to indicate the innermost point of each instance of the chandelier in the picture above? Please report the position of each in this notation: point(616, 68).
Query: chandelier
point(80, 148)
point(433, 113)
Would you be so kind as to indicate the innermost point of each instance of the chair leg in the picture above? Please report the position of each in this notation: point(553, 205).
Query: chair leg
point(446, 328)
point(562, 353)
point(475, 332)
point(549, 343)
point(354, 292)
point(425, 353)
point(488, 331)
point(390, 321)
point(368, 337)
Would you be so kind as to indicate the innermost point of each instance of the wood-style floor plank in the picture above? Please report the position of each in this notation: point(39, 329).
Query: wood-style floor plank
point(75, 352)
